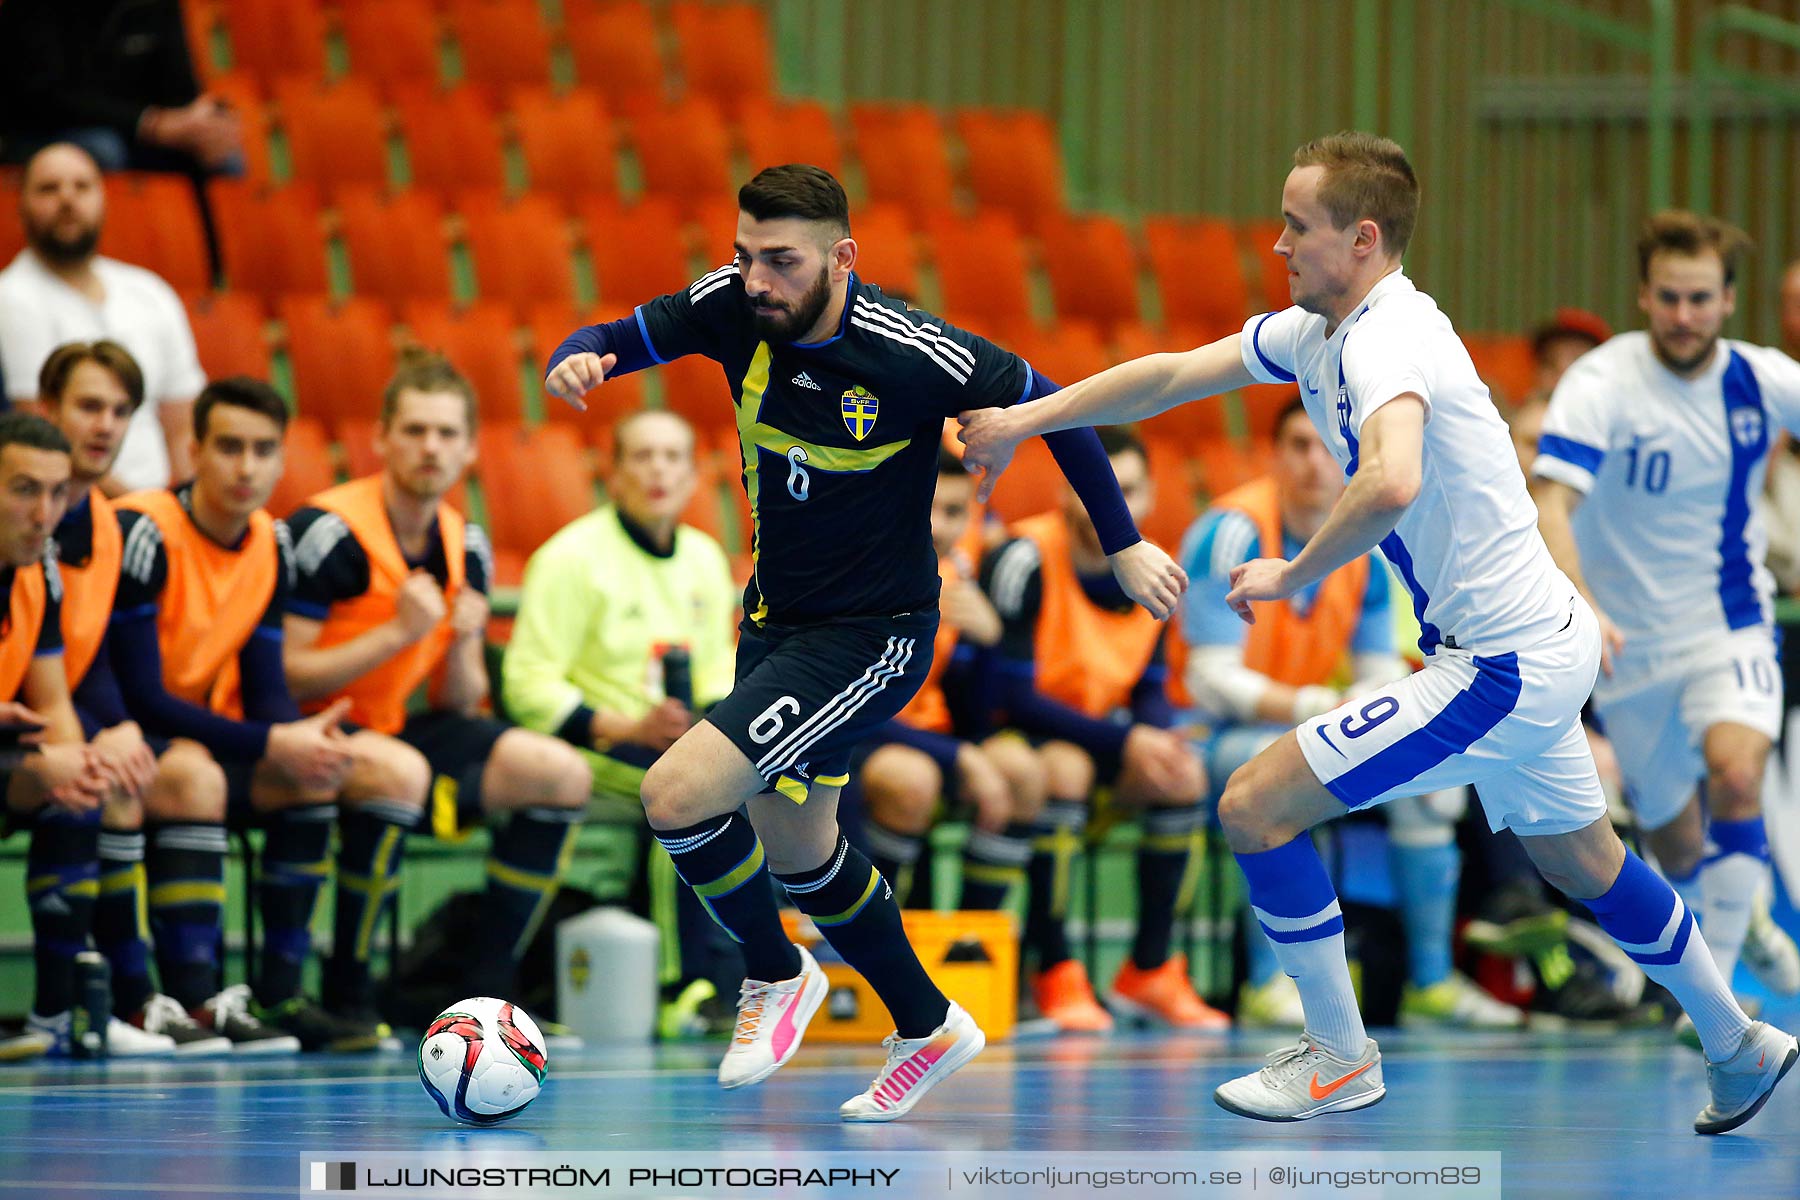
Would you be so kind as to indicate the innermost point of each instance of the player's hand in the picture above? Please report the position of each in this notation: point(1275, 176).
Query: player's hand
point(966, 606)
point(123, 751)
point(469, 615)
point(1150, 577)
point(662, 726)
point(982, 784)
point(1161, 757)
point(988, 445)
point(419, 604)
point(579, 374)
point(71, 775)
point(1612, 642)
point(1258, 579)
point(314, 752)
point(14, 713)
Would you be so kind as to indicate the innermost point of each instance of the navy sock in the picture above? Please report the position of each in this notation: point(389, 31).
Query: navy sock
point(721, 858)
point(122, 918)
point(62, 882)
point(525, 869)
point(854, 908)
point(992, 864)
point(1164, 857)
point(295, 861)
point(186, 869)
point(1055, 837)
point(371, 847)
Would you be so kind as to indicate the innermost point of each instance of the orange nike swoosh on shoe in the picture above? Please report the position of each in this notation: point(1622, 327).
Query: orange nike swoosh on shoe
point(1319, 1093)
point(1761, 1059)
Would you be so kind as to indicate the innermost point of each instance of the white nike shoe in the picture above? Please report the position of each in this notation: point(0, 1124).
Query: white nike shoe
point(1305, 1081)
point(122, 1040)
point(772, 1018)
point(1742, 1083)
point(915, 1066)
point(1769, 952)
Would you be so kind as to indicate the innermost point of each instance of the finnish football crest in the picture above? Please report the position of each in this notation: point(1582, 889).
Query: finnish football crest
point(860, 409)
point(1747, 426)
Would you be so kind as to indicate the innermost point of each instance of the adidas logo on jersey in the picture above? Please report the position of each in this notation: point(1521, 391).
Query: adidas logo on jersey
point(806, 381)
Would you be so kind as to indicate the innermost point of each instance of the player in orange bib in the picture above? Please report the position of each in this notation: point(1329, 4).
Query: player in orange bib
point(390, 595)
point(196, 646)
point(937, 748)
point(1082, 672)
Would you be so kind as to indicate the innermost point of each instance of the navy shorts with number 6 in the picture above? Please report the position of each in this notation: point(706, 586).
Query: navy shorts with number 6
point(806, 695)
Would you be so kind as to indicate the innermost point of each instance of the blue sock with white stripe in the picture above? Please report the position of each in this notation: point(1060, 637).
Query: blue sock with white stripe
point(1294, 902)
point(1643, 914)
point(1735, 869)
point(854, 908)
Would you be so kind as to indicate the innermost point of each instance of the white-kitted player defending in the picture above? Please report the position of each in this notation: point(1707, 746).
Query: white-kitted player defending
point(1651, 458)
point(1512, 649)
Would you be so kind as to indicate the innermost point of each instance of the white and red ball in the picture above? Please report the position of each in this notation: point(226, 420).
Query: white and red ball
point(483, 1060)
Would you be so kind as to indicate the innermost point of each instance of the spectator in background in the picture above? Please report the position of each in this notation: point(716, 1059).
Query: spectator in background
point(115, 77)
point(59, 289)
point(1565, 337)
point(606, 602)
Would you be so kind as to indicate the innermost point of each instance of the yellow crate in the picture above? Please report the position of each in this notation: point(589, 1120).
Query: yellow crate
point(988, 990)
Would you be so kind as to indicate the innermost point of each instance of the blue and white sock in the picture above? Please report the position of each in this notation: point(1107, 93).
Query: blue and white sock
point(1735, 868)
point(1294, 902)
point(1642, 913)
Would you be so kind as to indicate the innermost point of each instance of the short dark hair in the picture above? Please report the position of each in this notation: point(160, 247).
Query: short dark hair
point(1366, 176)
point(54, 376)
point(1690, 234)
point(32, 431)
point(797, 190)
point(949, 463)
point(421, 369)
point(239, 391)
point(1296, 405)
point(1121, 439)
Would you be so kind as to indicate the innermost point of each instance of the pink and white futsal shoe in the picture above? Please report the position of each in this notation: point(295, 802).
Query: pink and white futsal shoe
point(915, 1066)
point(772, 1018)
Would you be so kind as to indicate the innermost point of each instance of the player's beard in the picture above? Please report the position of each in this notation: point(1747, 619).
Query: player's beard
point(792, 324)
point(1685, 366)
point(65, 250)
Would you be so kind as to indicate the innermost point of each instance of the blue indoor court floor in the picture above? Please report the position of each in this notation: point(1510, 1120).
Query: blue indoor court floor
point(1585, 1115)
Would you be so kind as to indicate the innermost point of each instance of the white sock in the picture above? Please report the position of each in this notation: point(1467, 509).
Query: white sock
point(1322, 974)
point(1728, 887)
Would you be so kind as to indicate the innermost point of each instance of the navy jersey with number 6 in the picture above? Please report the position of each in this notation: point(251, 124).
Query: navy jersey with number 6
point(838, 439)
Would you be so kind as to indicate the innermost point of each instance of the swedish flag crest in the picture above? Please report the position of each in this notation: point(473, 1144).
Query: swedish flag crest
point(860, 411)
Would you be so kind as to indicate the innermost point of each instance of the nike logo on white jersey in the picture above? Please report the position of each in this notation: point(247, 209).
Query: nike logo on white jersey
point(806, 381)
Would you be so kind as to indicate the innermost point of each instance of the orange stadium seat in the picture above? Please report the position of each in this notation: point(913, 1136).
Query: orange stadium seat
point(1258, 238)
point(479, 340)
point(568, 144)
point(616, 398)
point(637, 252)
point(1093, 270)
point(276, 37)
point(395, 243)
point(1505, 363)
point(391, 40)
point(306, 468)
point(1225, 464)
point(520, 249)
point(503, 42)
point(228, 331)
point(1262, 403)
point(1190, 424)
point(789, 131)
point(887, 249)
point(536, 480)
point(1070, 352)
point(1199, 270)
point(154, 222)
point(904, 159)
point(342, 355)
point(695, 387)
point(453, 140)
point(245, 94)
point(616, 50)
point(1014, 163)
point(199, 18)
point(1175, 506)
point(272, 242)
point(723, 51)
point(1032, 484)
point(981, 268)
point(707, 510)
point(335, 135)
point(685, 154)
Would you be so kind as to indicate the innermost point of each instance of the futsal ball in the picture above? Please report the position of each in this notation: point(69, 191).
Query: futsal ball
point(483, 1060)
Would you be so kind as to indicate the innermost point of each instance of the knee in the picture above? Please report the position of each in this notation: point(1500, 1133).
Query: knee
point(1185, 788)
point(122, 814)
point(387, 769)
point(1734, 789)
point(1244, 814)
point(533, 769)
point(1024, 773)
point(1068, 771)
point(189, 786)
point(901, 787)
point(670, 795)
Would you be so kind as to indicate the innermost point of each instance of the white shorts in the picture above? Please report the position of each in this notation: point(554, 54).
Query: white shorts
point(1658, 704)
point(1508, 723)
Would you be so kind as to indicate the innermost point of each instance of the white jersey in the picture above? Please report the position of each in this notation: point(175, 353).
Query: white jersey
point(1671, 536)
point(1468, 547)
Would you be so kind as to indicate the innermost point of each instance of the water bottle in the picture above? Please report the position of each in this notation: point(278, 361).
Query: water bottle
point(678, 675)
point(92, 1010)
